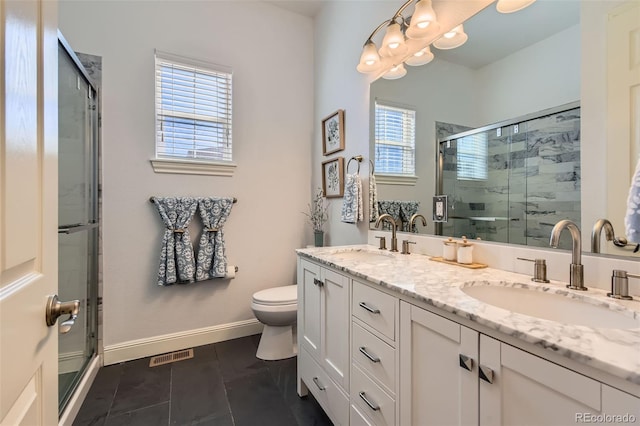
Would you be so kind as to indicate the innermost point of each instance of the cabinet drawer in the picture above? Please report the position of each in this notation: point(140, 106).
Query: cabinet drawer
point(326, 392)
point(371, 399)
point(359, 419)
point(364, 347)
point(375, 308)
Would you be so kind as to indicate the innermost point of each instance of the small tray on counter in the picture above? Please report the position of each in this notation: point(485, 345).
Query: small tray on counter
point(464, 265)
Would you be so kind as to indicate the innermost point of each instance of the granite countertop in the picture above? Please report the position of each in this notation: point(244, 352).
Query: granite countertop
point(615, 351)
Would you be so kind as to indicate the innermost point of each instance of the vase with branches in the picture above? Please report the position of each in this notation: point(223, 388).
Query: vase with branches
point(317, 216)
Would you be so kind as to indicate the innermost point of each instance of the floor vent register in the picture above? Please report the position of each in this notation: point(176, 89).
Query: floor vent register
point(171, 357)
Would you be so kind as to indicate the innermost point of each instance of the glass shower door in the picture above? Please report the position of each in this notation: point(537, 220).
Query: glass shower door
point(77, 218)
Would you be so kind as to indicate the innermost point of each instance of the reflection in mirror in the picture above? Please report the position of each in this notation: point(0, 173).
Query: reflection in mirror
point(513, 181)
point(510, 67)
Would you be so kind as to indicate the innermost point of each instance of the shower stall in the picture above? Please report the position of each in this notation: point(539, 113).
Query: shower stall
point(78, 217)
point(513, 181)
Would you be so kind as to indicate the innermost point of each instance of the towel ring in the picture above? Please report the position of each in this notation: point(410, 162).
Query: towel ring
point(373, 168)
point(358, 158)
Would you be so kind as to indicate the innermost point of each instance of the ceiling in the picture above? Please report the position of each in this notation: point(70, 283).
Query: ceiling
point(308, 8)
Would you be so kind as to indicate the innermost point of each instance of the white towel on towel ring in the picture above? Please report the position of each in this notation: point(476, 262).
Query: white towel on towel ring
point(352, 202)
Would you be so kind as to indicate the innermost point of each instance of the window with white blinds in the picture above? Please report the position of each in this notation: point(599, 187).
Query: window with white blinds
point(472, 157)
point(193, 110)
point(395, 140)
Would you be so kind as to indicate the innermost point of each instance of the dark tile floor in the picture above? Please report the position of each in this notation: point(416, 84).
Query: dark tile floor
point(224, 384)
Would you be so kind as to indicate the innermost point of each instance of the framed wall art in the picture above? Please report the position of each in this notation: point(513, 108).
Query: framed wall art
point(333, 177)
point(333, 133)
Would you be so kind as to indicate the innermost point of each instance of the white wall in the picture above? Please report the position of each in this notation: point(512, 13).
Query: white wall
point(270, 51)
point(341, 29)
point(544, 75)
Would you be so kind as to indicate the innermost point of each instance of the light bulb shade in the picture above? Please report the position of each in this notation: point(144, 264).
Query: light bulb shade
point(510, 6)
point(393, 39)
point(421, 57)
point(452, 39)
point(423, 21)
point(369, 60)
point(399, 51)
point(396, 72)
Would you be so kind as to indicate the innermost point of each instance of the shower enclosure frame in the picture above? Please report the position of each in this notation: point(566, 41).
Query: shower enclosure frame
point(440, 144)
point(92, 228)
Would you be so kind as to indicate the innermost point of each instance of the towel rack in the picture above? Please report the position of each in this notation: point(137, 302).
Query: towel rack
point(153, 199)
point(358, 158)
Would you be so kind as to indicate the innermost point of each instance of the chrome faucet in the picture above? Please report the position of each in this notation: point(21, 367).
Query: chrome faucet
point(389, 218)
point(576, 272)
point(597, 230)
point(413, 219)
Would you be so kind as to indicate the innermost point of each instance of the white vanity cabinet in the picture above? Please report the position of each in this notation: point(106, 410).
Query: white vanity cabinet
point(323, 337)
point(434, 387)
point(374, 333)
point(374, 357)
point(453, 375)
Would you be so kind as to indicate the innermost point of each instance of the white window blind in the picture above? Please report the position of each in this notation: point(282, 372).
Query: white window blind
point(395, 140)
point(472, 157)
point(193, 109)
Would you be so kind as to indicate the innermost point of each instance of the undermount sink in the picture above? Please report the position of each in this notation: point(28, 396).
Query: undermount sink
point(546, 304)
point(363, 255)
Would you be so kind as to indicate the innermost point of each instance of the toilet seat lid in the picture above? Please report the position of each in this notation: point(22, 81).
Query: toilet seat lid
point(284, 295)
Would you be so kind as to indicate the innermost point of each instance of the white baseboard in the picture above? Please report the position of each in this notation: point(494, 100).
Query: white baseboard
point(70, 362)
point(142, 348)
point(73, 406)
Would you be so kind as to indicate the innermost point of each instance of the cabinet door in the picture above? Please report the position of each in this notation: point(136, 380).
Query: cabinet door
point(621, 407)
point(309, 320)
point(335, 326)
point(434, 388)
point(528, 390)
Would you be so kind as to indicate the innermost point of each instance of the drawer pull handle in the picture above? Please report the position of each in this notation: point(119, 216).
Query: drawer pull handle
point(318, 282)
point(486, 374)
point(372, 405)
point(372, 358)
point(317, 382)
point(369, 308)
point(466, 362)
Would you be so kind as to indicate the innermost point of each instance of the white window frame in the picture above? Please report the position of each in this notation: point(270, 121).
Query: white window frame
point(188, 165)
point(386, 178)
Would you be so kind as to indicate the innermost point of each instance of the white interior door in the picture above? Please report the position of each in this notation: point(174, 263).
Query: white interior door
point(623, 106)
point(28, 211)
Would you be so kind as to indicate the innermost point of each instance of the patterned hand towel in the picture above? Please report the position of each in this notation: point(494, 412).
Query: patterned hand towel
point(352, 203)
point(374, 212)
point(632, 218)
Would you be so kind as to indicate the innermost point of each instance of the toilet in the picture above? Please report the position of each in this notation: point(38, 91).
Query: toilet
point(277, 309)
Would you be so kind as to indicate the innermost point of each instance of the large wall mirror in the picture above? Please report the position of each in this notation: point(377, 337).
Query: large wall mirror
point(518, 67)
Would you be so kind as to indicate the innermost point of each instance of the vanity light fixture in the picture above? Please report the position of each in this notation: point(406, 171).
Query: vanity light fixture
point(421, 57)
point(510, 6)
point(396, 72)
point(423, 22)
point(393, 43)
point(400, 31)
point(452, 39)
point(370, 59)
point(407, 40)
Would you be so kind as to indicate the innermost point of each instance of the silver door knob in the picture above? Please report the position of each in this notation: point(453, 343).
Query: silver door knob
point(56, 308)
